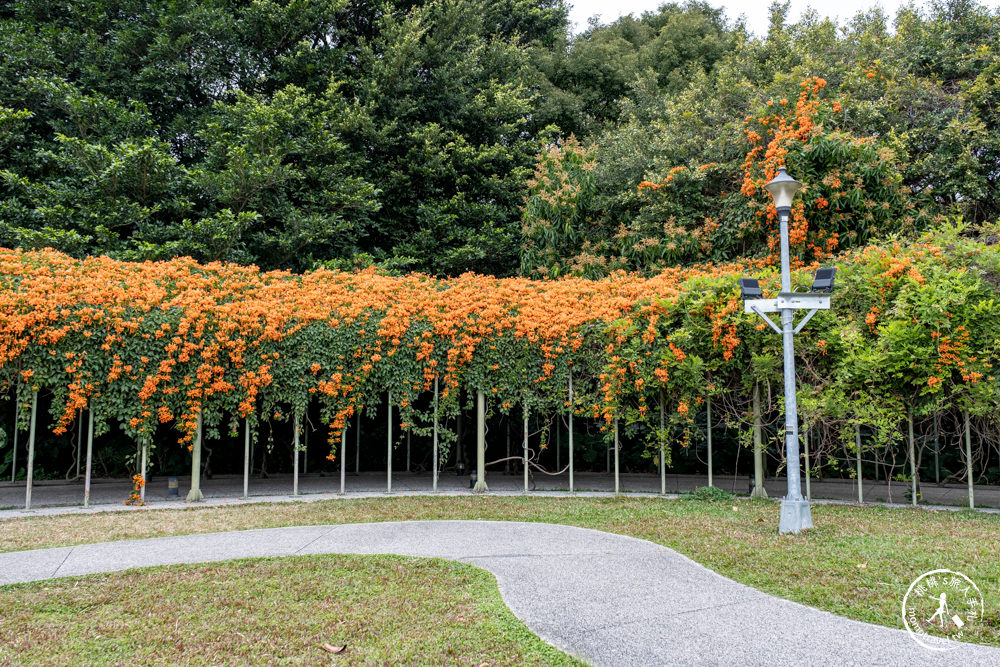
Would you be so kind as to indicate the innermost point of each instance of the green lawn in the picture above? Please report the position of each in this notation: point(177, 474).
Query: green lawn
point(858, 562)
point(271, 611)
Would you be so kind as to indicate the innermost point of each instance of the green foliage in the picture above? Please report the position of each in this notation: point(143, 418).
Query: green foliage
point(285, 134)
point(339, 133)
point(903, 125)
point(710, 494)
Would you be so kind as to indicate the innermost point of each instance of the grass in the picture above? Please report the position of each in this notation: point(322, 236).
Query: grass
point(271, 611)
point(858, 561)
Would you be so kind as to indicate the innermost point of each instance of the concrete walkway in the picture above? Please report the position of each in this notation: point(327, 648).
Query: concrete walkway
point(608, 599)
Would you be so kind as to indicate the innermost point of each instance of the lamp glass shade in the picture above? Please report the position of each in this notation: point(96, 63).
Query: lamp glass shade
point(782, 188)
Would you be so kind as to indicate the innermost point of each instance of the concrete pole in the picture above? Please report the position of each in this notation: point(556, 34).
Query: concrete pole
point(617, 485)
point(663, 457)
point(357, 444)
point(968, 459)
point(343, 456)
point(90, 456)
point(480, 486)
point(805, 446)
point(31, 450)
point(246, 458)
point(388, 439)
point(142, 489)
point(525, 450)
point(435, 454)
point(295, 455)
point(913, 460)
point(857, 442)
point(195, 494)
point(572, 486)
point(758, 448)
point(708, 424)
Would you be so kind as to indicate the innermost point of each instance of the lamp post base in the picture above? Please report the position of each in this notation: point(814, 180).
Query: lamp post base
point(796, 516)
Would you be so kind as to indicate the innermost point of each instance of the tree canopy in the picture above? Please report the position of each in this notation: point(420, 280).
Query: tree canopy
point(452, 135)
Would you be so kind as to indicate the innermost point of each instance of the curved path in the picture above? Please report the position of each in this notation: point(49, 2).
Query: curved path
point(609, 599)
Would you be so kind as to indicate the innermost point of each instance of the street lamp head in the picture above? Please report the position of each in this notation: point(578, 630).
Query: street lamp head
point(782, 188)
point(823, 282)
point(750, 288)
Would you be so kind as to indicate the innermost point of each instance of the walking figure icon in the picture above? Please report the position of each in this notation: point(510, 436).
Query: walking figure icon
point(942, 613)
point(941, 610)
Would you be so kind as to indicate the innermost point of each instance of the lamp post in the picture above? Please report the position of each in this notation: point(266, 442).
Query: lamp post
point(796, 514)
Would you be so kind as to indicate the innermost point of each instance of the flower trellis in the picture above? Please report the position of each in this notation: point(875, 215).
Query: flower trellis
point(146, 344)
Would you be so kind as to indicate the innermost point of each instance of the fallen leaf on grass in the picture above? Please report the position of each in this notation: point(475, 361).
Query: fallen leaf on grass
point(330, 648)
point(862, 566)
point(735, 508)
point(760, 518)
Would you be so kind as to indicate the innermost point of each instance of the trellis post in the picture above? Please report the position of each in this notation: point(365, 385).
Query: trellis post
point(142, 472)
point(195, 494)
point(480, 486)
point(459, 453)
point(968, 459)
point(246, 458)
point(913, 460)
point(616, 457)
point(506, 463)
point(558, 438)
point(435, 454)
point(357, 445)
point(663, 458)
point(79, 445)
point(17, 413)
point(805, 447)
point(305, 444)
point(857, 442)
point(343, 456)
point(31, 450)
point(388, 466)
point(937, 451)
point(525, 410)
point(408, 434)
point(758, 448)
point(708, 424)
point(572, 487)
point(295, 455)
point(90, 454)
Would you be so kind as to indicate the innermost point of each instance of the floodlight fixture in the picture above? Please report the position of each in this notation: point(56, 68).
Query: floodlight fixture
point(823, 282)
point(782, 188)
point(750, 288)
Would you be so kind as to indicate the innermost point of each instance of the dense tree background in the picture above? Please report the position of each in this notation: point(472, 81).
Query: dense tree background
point(456, 135)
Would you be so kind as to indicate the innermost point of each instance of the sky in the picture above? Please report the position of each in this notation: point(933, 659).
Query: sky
point(756, 12)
